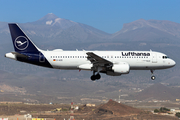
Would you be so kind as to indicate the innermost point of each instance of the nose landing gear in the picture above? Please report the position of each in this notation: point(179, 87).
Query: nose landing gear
point(152, 77)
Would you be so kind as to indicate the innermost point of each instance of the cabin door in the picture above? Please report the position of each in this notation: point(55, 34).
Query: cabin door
point(154, 58)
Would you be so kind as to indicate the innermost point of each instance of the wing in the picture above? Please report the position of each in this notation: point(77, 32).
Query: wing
point(97, 60)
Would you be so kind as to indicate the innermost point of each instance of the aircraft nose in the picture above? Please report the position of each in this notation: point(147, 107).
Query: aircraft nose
point(173, 63)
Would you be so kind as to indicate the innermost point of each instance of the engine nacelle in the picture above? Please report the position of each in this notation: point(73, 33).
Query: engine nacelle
point(112, 73)
point(85, 66)
point(121, 68)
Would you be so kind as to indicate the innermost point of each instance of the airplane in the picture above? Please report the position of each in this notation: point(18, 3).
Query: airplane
point(113, 63)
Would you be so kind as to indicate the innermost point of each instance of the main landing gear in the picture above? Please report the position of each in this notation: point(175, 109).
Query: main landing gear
point(152, 77)
point(95, 77)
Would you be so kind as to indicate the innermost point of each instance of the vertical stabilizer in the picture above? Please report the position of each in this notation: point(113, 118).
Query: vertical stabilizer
point(21, 41)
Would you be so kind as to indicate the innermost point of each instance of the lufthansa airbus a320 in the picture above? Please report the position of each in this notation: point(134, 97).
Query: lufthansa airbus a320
point(114, 63)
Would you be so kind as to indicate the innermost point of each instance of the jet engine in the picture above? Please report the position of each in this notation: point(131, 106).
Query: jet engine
point(118, 69)
point(121, 68)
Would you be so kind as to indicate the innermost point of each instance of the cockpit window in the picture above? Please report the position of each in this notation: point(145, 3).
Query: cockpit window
point(165, 57)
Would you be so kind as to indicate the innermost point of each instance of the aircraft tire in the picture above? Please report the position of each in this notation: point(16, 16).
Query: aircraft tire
point(93, 77)
point(153, 77)
point(98, 76)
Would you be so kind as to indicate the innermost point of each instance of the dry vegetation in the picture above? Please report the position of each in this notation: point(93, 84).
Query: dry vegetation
point(109, 111)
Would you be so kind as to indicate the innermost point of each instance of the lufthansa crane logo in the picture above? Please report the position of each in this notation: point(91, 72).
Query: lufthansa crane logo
point(21, 43)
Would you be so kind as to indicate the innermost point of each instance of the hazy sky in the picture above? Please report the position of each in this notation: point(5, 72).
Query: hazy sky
point(106, 15)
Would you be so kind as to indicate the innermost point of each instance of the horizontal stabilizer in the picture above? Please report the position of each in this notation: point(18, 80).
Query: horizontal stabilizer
point(19, 55)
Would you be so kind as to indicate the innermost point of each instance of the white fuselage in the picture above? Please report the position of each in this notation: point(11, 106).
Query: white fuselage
point(112, 63)
point(137, 60)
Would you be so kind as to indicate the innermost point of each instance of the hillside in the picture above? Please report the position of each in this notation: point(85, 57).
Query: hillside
point(44, 111)
point(158, 92)
point(116, 109)
point(149, 30)
point(51, 28)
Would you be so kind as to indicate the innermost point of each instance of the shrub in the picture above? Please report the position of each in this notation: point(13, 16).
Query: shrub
point(178, 114)
point(156, 110)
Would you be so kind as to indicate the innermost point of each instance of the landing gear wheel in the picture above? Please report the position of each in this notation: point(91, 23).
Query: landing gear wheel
point(98, 76)
point(153, 77)
point(93, 77)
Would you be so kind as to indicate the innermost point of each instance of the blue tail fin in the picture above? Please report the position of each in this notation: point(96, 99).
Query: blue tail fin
point(21, 41)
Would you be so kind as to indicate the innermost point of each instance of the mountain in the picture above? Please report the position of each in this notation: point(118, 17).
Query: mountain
point(149, 30)
point(51, 20)
point(117, 109)
point(51, 29)
point(158, 92)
